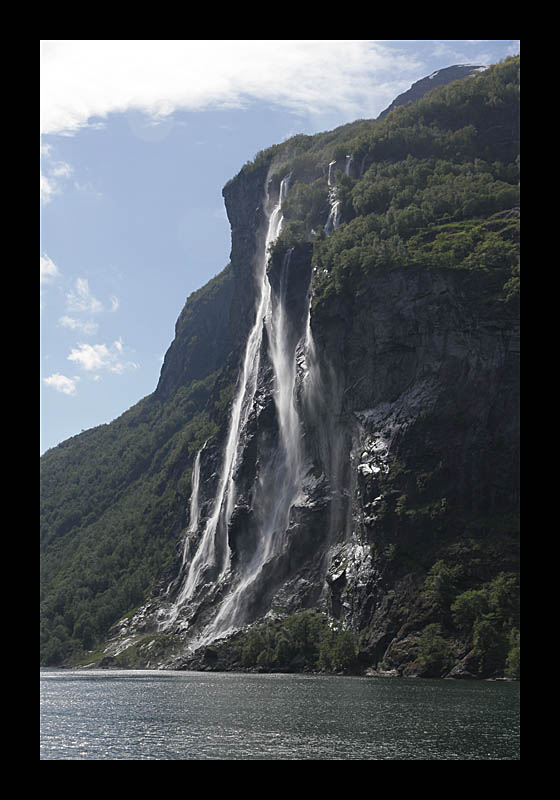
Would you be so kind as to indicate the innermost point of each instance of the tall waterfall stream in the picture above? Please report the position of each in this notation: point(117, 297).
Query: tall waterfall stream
point(279, 480)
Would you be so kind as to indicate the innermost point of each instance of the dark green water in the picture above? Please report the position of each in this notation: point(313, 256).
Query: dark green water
point(133, 715)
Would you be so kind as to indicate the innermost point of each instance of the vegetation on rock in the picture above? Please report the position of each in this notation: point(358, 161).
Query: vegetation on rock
point(432, 187)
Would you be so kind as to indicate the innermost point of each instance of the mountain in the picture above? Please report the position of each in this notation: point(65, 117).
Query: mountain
point(438, 78)
point(326, 475)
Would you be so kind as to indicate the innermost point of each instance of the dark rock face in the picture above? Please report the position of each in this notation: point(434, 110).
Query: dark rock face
point(244, 199)
point(408, 403)
point(420, 353)
point(429, 391)
point(410, 436)
point(202, 337)
point(213, 329)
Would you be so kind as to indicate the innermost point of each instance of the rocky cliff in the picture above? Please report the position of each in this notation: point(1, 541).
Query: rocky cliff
point(359, 457)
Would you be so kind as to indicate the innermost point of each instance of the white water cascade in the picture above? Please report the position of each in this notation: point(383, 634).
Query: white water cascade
point(194, 518)
point(194, 515)
point(334, 218)
point(278, 480)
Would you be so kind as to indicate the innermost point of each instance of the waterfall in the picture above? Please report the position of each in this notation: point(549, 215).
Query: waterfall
point(194, 519)
point(194, 508)
point(334, 218)
point(282, 356)
point(313, 388)
point(212, 560)
point(279, 479)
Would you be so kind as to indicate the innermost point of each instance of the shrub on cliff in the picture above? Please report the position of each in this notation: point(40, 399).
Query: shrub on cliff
point(304, 640)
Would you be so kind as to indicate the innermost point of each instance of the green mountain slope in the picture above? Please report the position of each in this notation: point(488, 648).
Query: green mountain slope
point(426, 252)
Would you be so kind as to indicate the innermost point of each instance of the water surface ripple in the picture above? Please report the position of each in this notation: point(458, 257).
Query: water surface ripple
point(188, 716)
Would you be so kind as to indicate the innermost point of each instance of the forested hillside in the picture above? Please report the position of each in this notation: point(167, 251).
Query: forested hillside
point(430, 191)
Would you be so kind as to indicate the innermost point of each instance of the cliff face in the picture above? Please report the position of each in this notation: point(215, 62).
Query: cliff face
point(360, 446)
point(428, 387)
point(411, 445)
point(215, 320)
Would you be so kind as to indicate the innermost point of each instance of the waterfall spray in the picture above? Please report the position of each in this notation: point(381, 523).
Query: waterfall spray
point(280, 477)
point(194, 508)
point(212, 559)
point(335, 215)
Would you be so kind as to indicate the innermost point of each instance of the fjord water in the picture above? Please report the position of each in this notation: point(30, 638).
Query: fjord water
point(193, 716)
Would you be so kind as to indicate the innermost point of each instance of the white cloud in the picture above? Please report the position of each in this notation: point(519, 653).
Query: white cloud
point(47, 188)
point(49, 270)
point(51, 174)
point(62, 383)
point(99, 357)
point(61, 170)
point(81, 79)
point(88, 326)
point(82, 299)
point(90, 357)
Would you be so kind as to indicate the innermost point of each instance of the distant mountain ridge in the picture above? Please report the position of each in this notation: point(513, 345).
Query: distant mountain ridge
point(438, 78)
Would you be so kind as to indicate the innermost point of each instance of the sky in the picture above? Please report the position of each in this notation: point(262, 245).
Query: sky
point(138, 137)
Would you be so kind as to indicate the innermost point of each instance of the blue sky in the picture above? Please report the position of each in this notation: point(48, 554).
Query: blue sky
point(138, 137)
